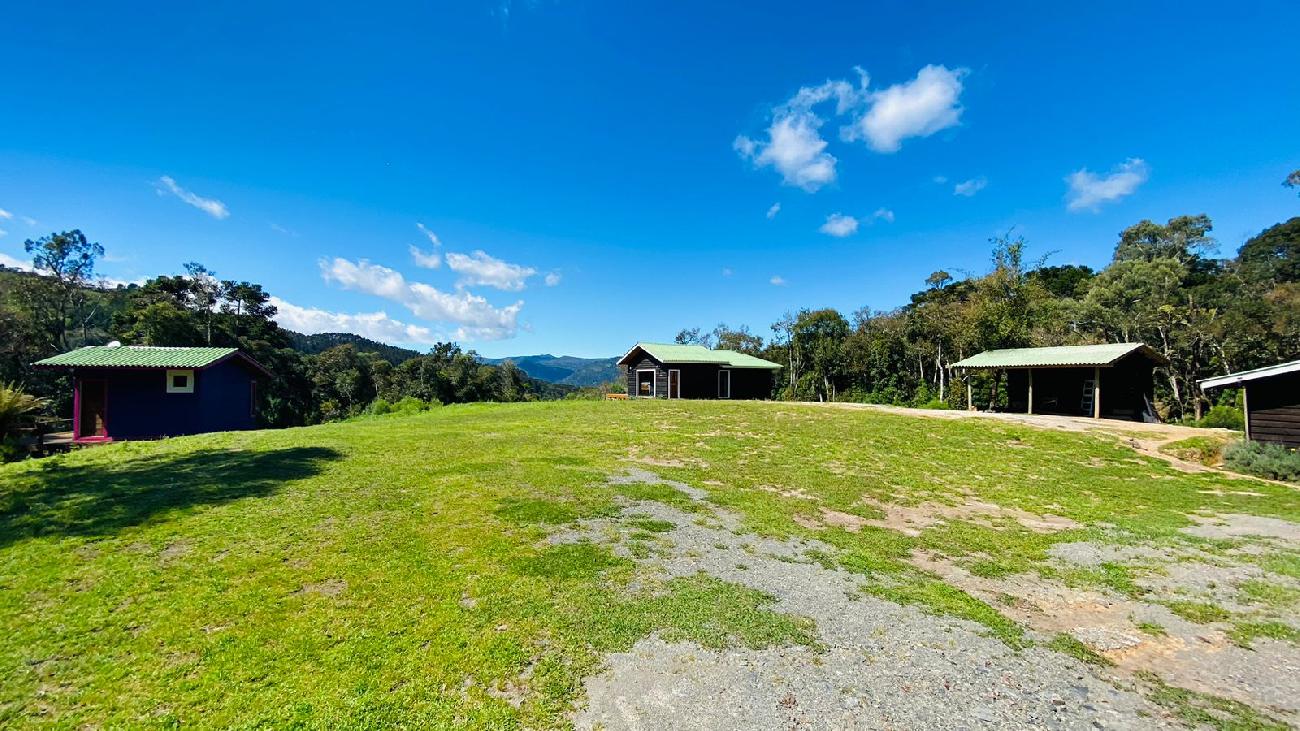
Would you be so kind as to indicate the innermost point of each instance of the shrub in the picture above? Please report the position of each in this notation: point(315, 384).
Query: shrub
point(1222, 417)
point(410, 405)
point(934, 403)
point(380, 406)
point(1205, 450)
point(1272, 461)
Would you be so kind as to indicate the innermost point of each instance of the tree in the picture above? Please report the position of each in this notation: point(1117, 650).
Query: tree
point(740, 340)
point(1272, 256)
point(694, 336)
point(67, 262)
point(1292, 180)
point(1183, 238)
point(821, 334)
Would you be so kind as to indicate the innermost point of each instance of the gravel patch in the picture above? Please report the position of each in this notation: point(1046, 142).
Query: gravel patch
point(881, 665)
point(1235, 525)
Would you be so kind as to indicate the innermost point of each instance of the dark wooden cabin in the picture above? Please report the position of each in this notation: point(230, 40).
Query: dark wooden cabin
point(1110, 381)
point(665, 370)
point(144, 392)
point(1272, 401)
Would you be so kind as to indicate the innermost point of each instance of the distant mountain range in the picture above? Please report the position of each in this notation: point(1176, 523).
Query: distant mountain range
point(563, 369)
point(566, 369)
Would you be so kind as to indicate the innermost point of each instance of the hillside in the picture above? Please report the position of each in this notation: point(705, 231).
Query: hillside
point(575, 563)
point(320, 342)
point(566, 369)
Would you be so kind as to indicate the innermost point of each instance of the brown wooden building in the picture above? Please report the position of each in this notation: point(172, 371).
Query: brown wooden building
point(1110, 380)
point(1272, 401)
point(668, 370)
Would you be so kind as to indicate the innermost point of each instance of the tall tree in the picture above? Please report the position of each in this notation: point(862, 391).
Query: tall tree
point(67, 262)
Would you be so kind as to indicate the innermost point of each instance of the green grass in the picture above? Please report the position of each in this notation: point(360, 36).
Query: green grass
point(1245, 633)
point(1202, 710)
point(1068, 645)
point(391, 571)
point(1198, 612)
point(1206, 450)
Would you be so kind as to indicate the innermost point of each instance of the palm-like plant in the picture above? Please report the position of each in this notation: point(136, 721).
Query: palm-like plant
point(14, 404)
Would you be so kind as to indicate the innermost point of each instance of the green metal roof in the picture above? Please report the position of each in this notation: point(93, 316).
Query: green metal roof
point(1060, 355)
point(137, 356)
point(674, 353)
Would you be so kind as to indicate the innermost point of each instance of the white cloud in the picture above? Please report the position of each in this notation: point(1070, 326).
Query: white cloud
point(210, 206)
point(476, 317)
point(796, 149)
point(940, 179)
point(726, 271)
point(553, 279)
point(28, 220)
point(431, 236)
point(374, 325)
point(839, 225)
point(431, 260)
point(775, 209)
point(777, 281)
point(1089, 190)
point(480, 268)
point(282, 230)
point(13, 263)
point(917, 108)
point(3, 233)
point(970, 187)
point(883, 214)
point(6, 215)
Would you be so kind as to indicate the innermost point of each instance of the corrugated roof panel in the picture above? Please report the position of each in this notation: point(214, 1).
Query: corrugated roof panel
point(1060, 355)
point(676, 353)
point(136, 356)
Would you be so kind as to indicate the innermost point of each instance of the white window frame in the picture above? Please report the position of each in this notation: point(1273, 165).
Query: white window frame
point(654, 382)
point(678, 371)
point(189, 380)
point(728, 372)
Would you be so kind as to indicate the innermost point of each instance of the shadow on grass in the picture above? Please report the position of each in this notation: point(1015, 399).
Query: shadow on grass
point(101, 499)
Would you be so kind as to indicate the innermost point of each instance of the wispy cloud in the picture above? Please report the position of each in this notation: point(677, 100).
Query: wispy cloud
point(6, 215)
point(970, 187)
point(775, 209)
point(210, 206)
point(12, 263)
point(282, 230)
point(431, 259)
point(777, 281)
point(883, 214)
point(552, 279)
point(476, 318)
point(1088, 191)
point(480, 268)
point(374, 325)
point(839, 225)
point(940, 179)
point(726, 272)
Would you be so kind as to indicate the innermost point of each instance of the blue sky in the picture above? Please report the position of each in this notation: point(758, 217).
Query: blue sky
point(598, 173)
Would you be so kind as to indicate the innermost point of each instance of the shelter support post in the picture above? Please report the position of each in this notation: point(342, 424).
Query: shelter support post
point(1096, 393)
point(1031, 391)
point(970, 400)
point(1245, 407)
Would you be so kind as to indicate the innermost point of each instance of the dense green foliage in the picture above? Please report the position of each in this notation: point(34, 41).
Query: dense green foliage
point(1272, 461)
point(317, 378)
point(1208, 316)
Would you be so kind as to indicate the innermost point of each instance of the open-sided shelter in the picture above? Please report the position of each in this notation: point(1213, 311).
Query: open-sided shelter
point(664, 370)
point(1112, 380)
point(1271, 401)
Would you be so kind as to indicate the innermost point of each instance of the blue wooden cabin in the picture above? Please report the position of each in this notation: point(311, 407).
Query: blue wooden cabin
point(146, 392)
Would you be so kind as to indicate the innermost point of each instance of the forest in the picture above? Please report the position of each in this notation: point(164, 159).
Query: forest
point(1164, 286)
point(62, 305)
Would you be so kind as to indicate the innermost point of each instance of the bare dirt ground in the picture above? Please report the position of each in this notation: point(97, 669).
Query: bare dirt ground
point(880, 665)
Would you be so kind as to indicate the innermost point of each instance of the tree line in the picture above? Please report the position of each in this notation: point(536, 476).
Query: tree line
point(1163, 286)
point(63, 304)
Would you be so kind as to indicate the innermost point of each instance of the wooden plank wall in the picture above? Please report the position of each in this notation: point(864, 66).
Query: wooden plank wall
point(1273, 406)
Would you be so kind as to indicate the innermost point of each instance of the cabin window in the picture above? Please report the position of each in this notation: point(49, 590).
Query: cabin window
point(645, 384)
point(180, 381)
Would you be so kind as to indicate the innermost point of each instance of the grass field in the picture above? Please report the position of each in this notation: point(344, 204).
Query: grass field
point(395, 570)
